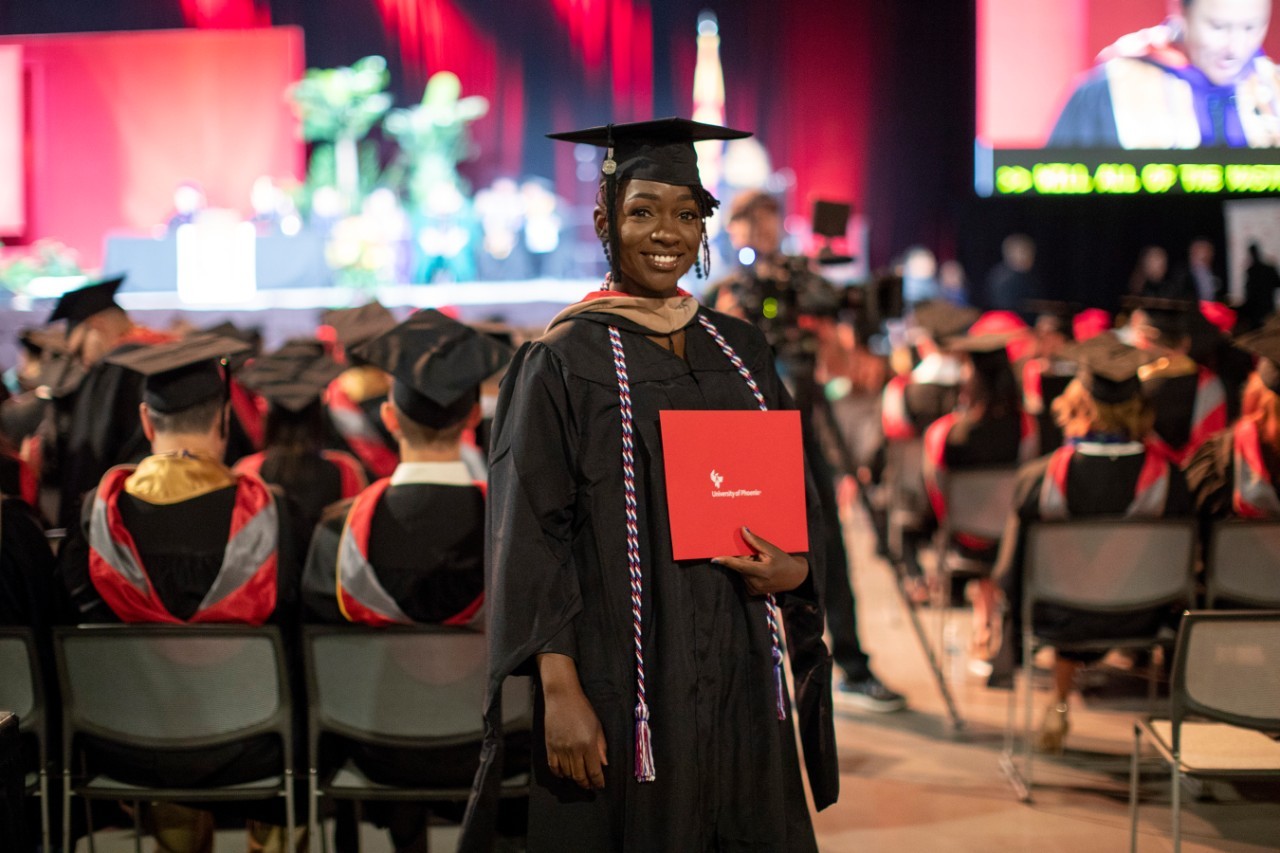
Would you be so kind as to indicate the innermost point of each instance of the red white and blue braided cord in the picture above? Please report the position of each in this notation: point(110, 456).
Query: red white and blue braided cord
point(771, 604)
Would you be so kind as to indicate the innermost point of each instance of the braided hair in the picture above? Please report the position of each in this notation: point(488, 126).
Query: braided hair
point(607, 199)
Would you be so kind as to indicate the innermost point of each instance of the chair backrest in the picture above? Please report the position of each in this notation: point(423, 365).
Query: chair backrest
point(422, 685)
point(21, 690)
point(1226, 666)
point(979, 499)
point(1243, 564)
point(1109, 565)
point(170, 687)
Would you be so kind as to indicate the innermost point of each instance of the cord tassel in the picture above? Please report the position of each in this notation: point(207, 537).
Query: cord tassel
point(645, 771)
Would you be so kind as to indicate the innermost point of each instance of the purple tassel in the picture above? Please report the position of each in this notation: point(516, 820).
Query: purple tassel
point(644, 746)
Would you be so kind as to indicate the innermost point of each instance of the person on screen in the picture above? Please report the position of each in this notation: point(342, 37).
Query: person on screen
point(1200, 79)
point(663, 720)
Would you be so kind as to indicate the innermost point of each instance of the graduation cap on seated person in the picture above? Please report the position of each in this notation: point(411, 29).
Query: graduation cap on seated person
point(76, 306)
point(437, 365)
point(1265, 343)
point(354, 326)
point(988, 352)
point(1053, 315)
point(294, 376)
point(184, 373)
point(1108, 368)
point(1163, 317)
point(942, 320)
point(660, 150)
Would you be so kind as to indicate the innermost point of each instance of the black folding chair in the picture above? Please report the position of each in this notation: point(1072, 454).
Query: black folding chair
point(416, 689)
point(22, 692)
point(1243, 564)
point(148, 690)
point(1108, 566)
point(1224, 707)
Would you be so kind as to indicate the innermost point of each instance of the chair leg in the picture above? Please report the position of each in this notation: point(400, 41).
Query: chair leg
point(68, 843)
point(1133, 788)
point(1177, 805)
point(1153, 673)
point(358, 805)
point(44, 811)
point(313, 825)
point(137, 827)
point(289, 820)
point(1028, 700)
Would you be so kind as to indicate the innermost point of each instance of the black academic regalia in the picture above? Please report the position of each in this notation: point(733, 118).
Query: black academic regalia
point(426, 545)
point(1174, 400)
point(181, 547)
point(728, 775)
point(1096, 486)
point(1088, 120)
point(26, 568)
point(21, 416)
point(926, 402)
point(101, 429)
point(309, 481)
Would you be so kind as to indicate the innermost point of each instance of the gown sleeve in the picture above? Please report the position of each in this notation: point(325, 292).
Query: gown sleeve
point(532, 591)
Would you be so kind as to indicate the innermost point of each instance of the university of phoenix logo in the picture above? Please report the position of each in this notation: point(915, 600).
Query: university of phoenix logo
point(716, 478)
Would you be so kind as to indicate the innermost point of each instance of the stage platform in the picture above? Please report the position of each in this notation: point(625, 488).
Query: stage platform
point(289, 312)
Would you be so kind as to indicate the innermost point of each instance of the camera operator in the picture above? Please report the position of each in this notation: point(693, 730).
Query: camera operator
point(787, 301)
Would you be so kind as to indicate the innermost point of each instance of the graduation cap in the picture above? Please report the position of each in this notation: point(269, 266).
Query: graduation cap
point(1167, 317)
point(1108, 368)
point(1052, 314)
point(660, 150)
point(942, 320)
point(294, 376)
point(76, 306)
point(184, 373)
point(437, 364)
point(1265, 343)
point(354, 326)
point(988, 352)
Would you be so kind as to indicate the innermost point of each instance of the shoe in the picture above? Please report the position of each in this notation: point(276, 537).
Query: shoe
point(1053, 730)
point(870, 695)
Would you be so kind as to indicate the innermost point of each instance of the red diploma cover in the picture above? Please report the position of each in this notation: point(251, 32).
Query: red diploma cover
point(732, 469)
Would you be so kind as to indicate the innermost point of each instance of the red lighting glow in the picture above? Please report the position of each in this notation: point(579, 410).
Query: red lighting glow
point(226, 14)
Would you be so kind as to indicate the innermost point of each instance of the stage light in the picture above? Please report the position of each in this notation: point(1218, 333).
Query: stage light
point(746, 256)
point(707, 24)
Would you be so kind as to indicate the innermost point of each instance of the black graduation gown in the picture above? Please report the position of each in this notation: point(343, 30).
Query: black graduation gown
point(426, 545)
point(1174, 399)
point(727, 773)
point(101, 428)
point(181, 546)
point(26, 568)
point(309, 481)
point(1096, 486)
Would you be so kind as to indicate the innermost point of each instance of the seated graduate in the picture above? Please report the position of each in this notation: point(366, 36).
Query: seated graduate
point(1233, 474)
point(156, 537)
point(101, 413)
point(293, 380)
point(355, 398)
point(1190, 400)
point(913, 400)
point(1107, 468)
point(1045, 374)
point(409, 549)
point(987, 428)
point(181, 539)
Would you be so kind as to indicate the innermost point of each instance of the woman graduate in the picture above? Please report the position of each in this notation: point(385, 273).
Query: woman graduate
point(662, 720)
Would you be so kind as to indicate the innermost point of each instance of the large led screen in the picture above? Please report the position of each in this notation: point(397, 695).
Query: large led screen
point(1127, 97)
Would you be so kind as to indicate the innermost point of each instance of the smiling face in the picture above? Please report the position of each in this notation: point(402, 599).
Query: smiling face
point(1223, 35)
point(659, 236)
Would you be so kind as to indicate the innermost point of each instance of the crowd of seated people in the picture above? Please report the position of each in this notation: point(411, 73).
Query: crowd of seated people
point(190, 531)
point(153, 451)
